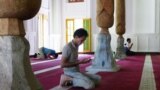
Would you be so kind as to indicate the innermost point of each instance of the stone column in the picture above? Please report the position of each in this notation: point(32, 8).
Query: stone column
point(104, 60)
point(15, 71)
point(120, 28)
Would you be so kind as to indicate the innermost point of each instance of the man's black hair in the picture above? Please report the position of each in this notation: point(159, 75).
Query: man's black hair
point(80, 33)
point(128, 39)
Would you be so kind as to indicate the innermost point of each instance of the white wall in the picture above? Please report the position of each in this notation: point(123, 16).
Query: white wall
point(144, 16)
point(157, 14)
point(142, 42)
point(56, 24)
point(146, 31)
point(76, 10)
point(31, 34)
point(142, 23)
point(129, 16)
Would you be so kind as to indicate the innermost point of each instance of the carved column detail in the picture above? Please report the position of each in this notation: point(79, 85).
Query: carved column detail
point(120, 28)
point(104, 60)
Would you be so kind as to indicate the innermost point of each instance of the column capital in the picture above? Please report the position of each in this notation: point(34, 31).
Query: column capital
point(11, 26)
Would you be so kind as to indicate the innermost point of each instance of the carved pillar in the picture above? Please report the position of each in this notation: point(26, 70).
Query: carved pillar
point(104, 60)
point(15, 71)
point(120, 28)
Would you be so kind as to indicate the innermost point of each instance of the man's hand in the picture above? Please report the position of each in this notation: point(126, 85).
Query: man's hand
point(85, 61)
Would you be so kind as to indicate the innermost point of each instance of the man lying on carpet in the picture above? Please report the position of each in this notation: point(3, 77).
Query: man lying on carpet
point(46, 53)
point(70, 64)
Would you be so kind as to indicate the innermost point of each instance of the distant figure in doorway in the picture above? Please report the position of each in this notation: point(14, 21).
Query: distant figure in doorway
point(46, 53)
point(72, 75)
point(128, 47)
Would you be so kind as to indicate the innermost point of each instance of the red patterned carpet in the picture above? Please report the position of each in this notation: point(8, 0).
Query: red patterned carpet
point(156, 69)
point(45, 65)
point(128, 78)
point(51, 78)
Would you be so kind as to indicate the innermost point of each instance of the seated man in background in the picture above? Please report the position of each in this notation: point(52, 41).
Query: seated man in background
point(70, 64)
point(128, 47)
point(46, 53)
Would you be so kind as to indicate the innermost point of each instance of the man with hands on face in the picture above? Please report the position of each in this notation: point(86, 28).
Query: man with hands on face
point(70, 63)
point(128, 47)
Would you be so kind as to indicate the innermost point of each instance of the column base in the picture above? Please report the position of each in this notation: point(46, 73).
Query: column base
point(94, 70)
